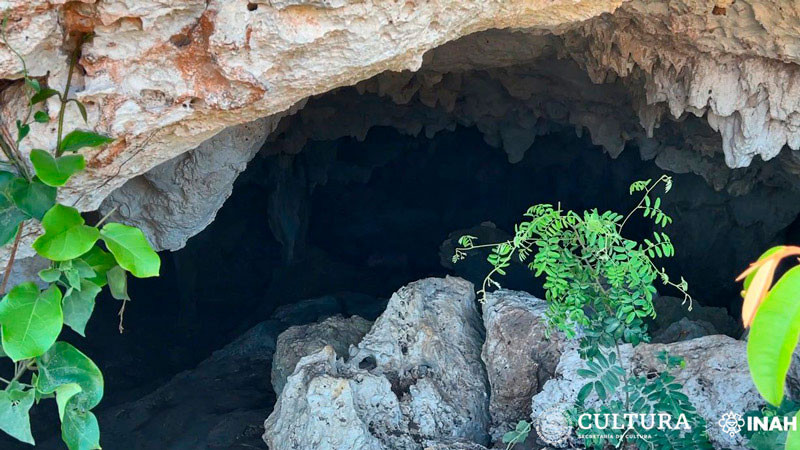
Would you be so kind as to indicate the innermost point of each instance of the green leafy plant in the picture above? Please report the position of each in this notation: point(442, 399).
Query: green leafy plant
point(599, 286)
point(83, 259)
point(773, 315)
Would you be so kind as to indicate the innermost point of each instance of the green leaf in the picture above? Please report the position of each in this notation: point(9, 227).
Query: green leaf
point(773, 336)
point(10, 215)
point(55, 171)
point(78, 139)
point(14, 419)
point(66, 236)
point(41, 117)
point(81, 108)
point(64, 364)
point(118, 283)
point(79, 305)
point(50, 275)
point(43, 95)
point(22, 130)
point(79, 429)
point(100, 262)
point(31, 320)
point(33, 84)
point(33, 198)
point(63, 395)
point(131, 250)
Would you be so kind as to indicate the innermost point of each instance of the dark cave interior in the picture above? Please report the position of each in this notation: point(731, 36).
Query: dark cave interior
point(358, 219)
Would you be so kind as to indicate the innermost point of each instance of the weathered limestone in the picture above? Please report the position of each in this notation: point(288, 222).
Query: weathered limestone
point(164, 77)
point(302, 340)
point(179, 198)
point(716, 379)
point(519, 357)
point(415, 380)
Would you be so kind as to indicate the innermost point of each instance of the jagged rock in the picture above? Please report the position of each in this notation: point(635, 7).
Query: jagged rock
point(670, 310)
point(415, 380)
point(325, 405)
point(179, 198)
point(519, 357)
point(683, 330)
point(716, 379)
point(427, 343)
point(303, 340)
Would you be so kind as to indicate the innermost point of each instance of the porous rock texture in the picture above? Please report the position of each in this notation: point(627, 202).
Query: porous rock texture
point(715, 379)
point(519, 357)
point(302, 340)
point(163, 77)
point(416, 379)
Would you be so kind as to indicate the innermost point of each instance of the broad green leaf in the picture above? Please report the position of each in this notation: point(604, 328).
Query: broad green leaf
point(14, 419)
point(22, 130)
point(793, 438)
point(63, 395)
point(83, 268)
point(66, 236)
point(118, 283)
point(64, 364)
point(33, 198)
point(79, 139)
point(773, 336)
point(79, 429)
point(41, 117)
point(81, 108)
point(31, 320)
point(79, 305)
point(43, 95)
point(10, 215)
point(131, 250)
point(33, 84)
point(100, 262)
point(50, 275)
point(55, 171)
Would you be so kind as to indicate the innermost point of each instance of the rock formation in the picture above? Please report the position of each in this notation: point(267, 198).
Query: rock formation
point(716, 380)
point(163, 79)
point(414, 380)
point(302, 340)
point(519, 357)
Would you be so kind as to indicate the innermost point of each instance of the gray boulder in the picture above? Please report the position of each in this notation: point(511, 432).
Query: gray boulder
point(519, 357)
point(683, 330)
point(415, 380)
point(302, 340)
point(716, 379)
point(672, 309)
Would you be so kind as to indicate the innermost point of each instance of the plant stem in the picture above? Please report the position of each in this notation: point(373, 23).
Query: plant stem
point(11, 257)
point(73, 59)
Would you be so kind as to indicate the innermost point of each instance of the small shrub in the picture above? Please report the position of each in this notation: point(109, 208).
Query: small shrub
point(599, 286)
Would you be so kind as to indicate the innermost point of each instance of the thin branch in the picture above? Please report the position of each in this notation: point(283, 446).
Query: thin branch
point(11, 258)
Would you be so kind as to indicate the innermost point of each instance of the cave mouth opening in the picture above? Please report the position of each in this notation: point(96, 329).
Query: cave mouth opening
point(338, 226)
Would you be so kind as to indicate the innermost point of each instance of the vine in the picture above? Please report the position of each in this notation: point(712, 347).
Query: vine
point(83, 259)
point(599, 287)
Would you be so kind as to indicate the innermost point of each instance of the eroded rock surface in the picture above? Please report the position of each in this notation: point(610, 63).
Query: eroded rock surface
point(302, 340)
point(519, 357)
point(416, 379)
point(716, 380)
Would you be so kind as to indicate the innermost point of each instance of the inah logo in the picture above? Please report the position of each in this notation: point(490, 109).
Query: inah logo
point(731, 423)
point(552, 425)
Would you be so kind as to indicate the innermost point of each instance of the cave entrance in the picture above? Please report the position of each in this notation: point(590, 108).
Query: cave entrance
point(365, 189)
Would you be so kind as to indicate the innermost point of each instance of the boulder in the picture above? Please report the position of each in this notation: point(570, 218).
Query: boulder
point(670, 310)
point(683, 330)
point(716, 379)
point(415, 380)
point(302, 340)
point(518, 355)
